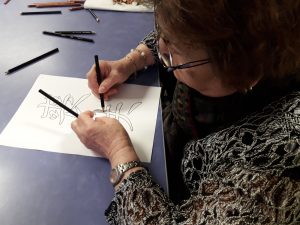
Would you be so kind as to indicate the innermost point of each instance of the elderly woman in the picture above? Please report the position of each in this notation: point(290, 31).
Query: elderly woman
point(232, 124)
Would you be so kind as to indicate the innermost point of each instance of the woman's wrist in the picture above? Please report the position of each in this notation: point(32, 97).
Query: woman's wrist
point(126, 175)
point(123, 155)
point(131, 65)
point(137, 59)
point(125, 67)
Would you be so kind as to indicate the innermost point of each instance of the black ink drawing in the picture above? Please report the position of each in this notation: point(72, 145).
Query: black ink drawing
point(117, 113)
point(53, 111)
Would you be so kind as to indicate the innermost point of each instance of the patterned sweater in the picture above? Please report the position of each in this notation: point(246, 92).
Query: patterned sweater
point(248, 173)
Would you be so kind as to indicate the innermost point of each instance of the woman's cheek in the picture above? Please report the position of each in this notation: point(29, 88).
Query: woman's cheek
point(178, 75)
point(182, 76)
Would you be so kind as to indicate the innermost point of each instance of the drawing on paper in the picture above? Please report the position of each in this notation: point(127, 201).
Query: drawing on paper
point(53, 111)
point(122, 117)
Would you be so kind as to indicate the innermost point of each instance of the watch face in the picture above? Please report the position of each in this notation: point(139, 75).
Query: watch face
point(114, 176)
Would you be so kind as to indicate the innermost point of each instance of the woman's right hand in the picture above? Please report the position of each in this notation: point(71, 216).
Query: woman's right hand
point(113, 73)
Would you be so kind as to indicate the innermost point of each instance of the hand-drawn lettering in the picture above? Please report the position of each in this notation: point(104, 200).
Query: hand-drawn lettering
point(108, 112)
point(53, 111)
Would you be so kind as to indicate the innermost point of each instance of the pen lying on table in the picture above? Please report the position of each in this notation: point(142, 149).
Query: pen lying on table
point(58, 103)
point(75, 32)
point(68, 36)
point(94, 15)
point(32, 61)
point(40, 13)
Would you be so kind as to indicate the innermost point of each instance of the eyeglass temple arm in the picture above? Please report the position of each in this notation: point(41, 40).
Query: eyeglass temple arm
point(188, 65)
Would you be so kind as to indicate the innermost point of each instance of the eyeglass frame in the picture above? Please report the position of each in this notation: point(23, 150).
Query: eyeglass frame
point(170, 67)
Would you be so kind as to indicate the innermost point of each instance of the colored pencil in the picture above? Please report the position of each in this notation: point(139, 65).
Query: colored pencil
point(53, 4)
point(76, 8)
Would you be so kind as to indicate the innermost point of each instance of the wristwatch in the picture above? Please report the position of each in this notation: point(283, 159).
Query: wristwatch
point(118, 172)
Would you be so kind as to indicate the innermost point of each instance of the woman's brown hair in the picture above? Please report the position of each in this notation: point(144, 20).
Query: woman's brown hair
point(246, 40)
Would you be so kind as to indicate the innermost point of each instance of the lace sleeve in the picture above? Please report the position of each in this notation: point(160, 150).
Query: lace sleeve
point(150, 42)
point(140, 201)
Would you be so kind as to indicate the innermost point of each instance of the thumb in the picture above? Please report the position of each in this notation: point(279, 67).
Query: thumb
point(87, 114)
point(106, 85)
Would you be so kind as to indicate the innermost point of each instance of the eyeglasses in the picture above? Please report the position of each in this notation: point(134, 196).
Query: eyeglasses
point(167, 59)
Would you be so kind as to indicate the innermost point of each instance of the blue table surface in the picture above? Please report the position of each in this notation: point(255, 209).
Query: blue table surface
point(43, 188)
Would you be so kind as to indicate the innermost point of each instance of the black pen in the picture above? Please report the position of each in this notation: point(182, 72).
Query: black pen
point(75, 32)
point(94, 15)
point(68, 36)
point(99, 80)
point(58, 103)
point(40, 13)
point(32, 61)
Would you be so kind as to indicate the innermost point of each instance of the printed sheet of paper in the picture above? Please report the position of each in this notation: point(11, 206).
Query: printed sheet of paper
point(109, 5)
point(42, 125)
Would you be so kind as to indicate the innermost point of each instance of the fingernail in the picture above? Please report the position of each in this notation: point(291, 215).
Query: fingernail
point(101, 90)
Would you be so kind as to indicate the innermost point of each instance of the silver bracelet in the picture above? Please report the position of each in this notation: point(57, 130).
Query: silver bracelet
point(134, 64)
point(142, 54)
point(117, 173)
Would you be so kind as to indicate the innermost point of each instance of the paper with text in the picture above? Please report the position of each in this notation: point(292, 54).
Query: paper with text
point(42, 125)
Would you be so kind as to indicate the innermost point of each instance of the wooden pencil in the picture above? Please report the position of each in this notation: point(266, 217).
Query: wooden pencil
point(53, 4)
point(7, 1)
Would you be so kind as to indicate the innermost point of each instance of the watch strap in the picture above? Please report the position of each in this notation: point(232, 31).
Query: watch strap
point(122, 168)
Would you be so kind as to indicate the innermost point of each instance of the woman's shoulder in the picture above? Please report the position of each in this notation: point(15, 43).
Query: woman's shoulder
point(250, 171)
point(268, 139)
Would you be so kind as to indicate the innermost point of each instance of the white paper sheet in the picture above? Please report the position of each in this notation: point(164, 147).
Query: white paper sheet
point(108, 5)
point(42, 125)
